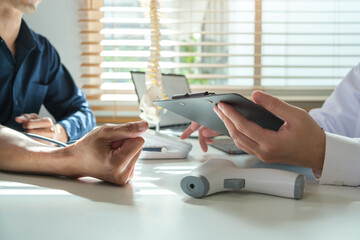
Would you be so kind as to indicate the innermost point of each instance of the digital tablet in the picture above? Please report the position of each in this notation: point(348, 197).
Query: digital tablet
point(198, 107)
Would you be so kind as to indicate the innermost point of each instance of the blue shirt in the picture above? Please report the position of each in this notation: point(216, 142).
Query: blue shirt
point(36, 76)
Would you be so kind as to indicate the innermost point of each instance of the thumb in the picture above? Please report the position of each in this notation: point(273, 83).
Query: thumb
point(123, 131)
point(20, 119)
point(272, 104)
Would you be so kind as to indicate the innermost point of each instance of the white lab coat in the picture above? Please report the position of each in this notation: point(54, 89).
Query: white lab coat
point(340, 118)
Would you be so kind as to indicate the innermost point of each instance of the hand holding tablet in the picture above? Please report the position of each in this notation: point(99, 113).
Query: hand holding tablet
point(198, 107)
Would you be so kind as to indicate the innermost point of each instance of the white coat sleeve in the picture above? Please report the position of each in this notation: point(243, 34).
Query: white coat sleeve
point(340, 118)
point(340, 112)
point(342, 161)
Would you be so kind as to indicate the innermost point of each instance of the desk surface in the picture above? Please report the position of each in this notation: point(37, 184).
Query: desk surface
point(153, 206)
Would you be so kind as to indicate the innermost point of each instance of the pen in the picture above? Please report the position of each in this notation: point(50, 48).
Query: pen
point(155, 149)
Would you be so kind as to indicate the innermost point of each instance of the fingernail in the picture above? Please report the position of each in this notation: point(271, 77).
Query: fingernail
point(220, 106)
point(216, 110)
point(258, 97)
point(142, 125)
point(22, 117)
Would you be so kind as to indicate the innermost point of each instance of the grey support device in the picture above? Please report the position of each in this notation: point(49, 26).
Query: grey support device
point(218, 175)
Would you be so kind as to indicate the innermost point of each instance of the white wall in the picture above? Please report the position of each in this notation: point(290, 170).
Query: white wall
point(57, 20)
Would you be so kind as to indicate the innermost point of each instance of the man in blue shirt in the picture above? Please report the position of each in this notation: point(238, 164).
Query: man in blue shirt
point(31, 74)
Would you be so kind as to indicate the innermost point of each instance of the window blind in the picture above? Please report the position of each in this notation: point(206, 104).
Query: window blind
point(297, 50)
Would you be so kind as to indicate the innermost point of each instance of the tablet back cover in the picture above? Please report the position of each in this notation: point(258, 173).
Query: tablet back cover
point(200, 110)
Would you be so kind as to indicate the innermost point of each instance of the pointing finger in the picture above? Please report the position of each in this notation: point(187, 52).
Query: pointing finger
point(192, 128)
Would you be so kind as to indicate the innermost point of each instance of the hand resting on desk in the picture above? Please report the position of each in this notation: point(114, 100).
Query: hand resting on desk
point(108, 153)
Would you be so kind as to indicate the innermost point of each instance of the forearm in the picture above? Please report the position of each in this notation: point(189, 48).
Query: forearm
point(108, 153)
point(19, 153)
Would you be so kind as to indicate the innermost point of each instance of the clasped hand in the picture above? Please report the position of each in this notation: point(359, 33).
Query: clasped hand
point(43, 126)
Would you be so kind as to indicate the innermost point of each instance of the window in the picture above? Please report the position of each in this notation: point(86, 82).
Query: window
point(298, 50)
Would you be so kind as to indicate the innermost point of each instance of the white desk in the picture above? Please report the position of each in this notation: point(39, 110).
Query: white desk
point(154, 207)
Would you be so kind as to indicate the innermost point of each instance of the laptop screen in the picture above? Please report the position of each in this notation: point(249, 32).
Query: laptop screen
point(172, 84)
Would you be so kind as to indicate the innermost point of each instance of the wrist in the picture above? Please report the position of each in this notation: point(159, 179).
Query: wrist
point(319, 153)
point(61, 134)
point(317, 174)
point(53, 161)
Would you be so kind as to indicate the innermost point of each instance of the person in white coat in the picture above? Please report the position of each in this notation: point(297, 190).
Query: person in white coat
point(340, 118)
point(327, 140)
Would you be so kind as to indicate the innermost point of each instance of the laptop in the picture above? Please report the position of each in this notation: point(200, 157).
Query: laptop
point(172, 123)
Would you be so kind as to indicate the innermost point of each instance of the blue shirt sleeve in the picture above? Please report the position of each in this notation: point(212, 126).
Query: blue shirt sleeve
point(64, 100)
